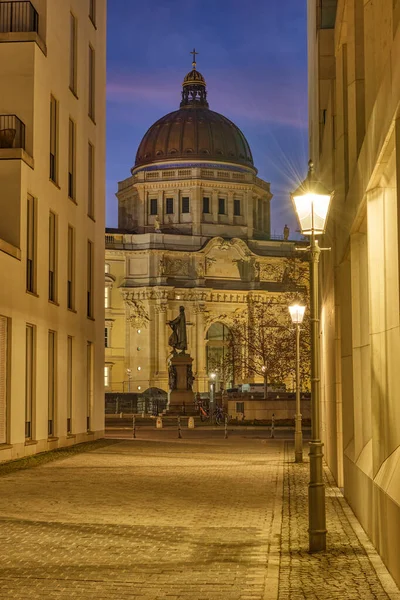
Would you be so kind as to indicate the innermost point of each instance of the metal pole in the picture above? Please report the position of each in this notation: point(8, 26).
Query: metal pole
point(226, 427)
point(298, 435)
point(134, 427)
point(179, 429)
point(212, 403)
point(316, 488)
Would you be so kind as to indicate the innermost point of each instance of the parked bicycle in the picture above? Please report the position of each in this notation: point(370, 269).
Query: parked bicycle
point(218, 414)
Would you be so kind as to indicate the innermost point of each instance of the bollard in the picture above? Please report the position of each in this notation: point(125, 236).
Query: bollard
point(226, 427)
point(159, 423)
point(134, 427)
point(190, 423)
point(273, 425)
point(179, 429)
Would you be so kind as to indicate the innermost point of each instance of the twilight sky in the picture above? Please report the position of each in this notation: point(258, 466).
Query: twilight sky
point(253, 57)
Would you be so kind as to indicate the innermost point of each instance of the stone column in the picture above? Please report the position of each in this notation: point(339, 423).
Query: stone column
point(230, 207)
point(161, 312)
point(200, 365)
point(249, 208)
point(214, 206)
point(196, 210)
point(161, 207)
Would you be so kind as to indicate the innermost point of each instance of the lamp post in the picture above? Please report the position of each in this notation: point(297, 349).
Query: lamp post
point(311, 202)
point(265, 375)
point(297, 315)
point(213, 377)
point(129, 373)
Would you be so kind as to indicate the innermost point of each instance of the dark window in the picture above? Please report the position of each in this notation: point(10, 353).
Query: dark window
point(106, 340)
point(240, 407)
point(169, 206)
point(153, 206)
point(221, 206)
point(185, 205)
point(206, 205)
point(236, 208)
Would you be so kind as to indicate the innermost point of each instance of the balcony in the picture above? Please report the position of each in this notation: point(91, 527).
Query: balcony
point(12, 130)
point(18, 17)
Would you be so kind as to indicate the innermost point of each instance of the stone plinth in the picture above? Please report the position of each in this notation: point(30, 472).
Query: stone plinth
point(181, 399)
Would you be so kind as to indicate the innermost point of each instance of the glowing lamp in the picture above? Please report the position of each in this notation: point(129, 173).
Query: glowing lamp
point(311, 202)
point(297, 313)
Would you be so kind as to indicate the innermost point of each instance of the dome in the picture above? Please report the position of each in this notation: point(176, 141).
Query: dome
point(194, 132)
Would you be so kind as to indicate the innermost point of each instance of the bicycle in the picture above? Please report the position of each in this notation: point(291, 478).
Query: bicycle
point(218, 415)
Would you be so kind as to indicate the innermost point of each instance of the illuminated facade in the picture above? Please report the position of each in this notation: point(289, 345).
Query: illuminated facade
point(194, 229)
point(355, 142)
point(52, 154)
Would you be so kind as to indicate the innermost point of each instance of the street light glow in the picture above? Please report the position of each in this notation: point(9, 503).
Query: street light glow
point(297, 313)
point(311, 202)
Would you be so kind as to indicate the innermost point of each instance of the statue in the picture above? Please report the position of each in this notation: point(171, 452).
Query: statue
point(172, 377)
point(286, 232)
point(157, 224)
point(162, 267)
point(200, 270)
point(189, 377)
point(178, 338)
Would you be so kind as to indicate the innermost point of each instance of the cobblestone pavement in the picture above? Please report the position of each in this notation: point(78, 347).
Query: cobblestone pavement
point(162, 518)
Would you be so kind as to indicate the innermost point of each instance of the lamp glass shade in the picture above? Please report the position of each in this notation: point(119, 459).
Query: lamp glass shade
point(297, 313)
point(312, 210)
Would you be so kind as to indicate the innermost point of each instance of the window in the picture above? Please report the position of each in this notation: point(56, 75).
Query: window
point(106, 376)
point(185, 204)
point(169, 206)
point(53, 138)
point(89, 392)
point(31, 245)
point(106, 337)
point(107, 296)
point(236, 208)
point(89, 307)
point(206, 205)
point(3, 378)
point(69, 383)
point(52, 257)
point(240, 407)
point(106, 268)
point(153, 206)
point(92, 11)
point(71, 159)
point(92, 83)
point(51, 381)
point(73, 53)
point(29, 379)
point(90, 207)
point(221, 206)
point(71, 269)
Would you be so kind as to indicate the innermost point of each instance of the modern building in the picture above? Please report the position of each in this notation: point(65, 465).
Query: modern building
point(354, 73)
point(194, 230)
point(52, 188)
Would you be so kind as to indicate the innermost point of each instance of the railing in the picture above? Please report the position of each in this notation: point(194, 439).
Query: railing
point(12, 130)
point(18, 17)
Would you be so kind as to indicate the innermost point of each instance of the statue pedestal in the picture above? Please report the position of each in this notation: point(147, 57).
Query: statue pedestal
point(181, 399)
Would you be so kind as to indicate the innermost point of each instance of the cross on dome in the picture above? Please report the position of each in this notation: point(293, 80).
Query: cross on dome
point(194, 57)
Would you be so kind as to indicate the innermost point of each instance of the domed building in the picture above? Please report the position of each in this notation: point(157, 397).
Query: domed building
point(194, 230)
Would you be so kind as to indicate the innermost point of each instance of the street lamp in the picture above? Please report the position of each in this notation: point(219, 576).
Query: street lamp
point(311, 202)
point(265, 374)
point(129, 373)
point(297, 315)
point(213, 377)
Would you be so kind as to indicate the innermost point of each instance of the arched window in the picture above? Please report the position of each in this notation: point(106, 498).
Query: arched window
point(218, 354)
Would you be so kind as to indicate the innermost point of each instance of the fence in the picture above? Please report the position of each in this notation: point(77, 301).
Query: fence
point(18, 17)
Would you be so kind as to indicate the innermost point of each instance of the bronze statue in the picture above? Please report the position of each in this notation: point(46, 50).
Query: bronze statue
point(172, 377)
point(178, 338)
point(189, 377)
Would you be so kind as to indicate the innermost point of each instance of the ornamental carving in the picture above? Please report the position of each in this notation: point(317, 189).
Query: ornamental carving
point(172, 377)
point(176, 267)
point(139, 316)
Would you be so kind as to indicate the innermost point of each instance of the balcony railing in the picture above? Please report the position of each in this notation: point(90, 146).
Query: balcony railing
point(18, 17)
point(12, 131)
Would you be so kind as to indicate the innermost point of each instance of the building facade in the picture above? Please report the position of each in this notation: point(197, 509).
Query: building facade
point(194, 230)
point(354, 73)
point(52, 156)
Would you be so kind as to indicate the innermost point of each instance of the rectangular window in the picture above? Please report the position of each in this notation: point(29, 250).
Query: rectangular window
point(90, 279)
point(106, 376)
point(185, 204)
point(3, 378)
point(92, 11)
point(221, 206)
point(92, 83)
point(31, 245)
point(71, 269)
point(29, 379)
point(51, 382)
point(153, 206)
point(236, 208)
point(52, 257)
point(69, 383)
point(169, 206)
point(107, 297)
point(89, 375)
point(206, 205)
point(71, 159)
point(73, 53)
point(90, 208)
point(53, 138)
point(240, 407)
point(106, 337)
